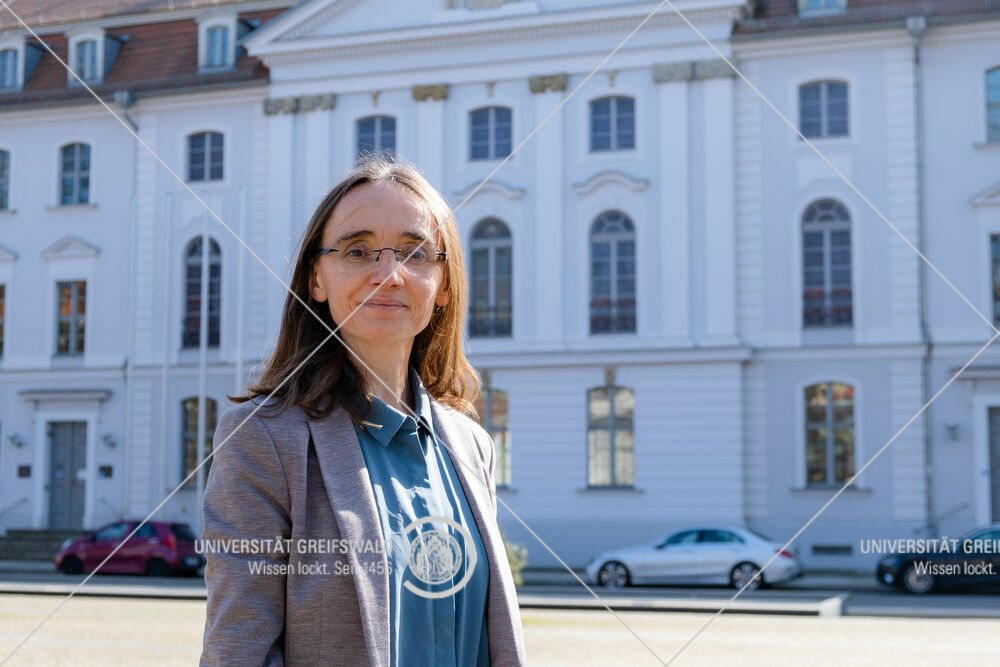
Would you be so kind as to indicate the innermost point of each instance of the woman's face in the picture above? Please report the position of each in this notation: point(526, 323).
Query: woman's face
point(379, 215)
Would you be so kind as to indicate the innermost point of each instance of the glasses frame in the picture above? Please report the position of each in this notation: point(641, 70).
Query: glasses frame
point(378, 253)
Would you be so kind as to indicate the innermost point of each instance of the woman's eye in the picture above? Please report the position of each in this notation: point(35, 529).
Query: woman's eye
point(355, 252)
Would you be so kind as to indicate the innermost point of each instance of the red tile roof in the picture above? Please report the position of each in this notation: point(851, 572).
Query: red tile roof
point(38, 13)
point(154, 57)
point(783, 15)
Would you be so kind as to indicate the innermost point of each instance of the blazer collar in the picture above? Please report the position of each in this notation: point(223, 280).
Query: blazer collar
point(348, 486)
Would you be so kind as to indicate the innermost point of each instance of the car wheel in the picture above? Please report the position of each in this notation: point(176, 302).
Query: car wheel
point(157, 567)
point(72, 565)
point(916, 582)
point(743, 573)
point(613, 575)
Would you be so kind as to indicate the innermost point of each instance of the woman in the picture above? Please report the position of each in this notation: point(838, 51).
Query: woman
point(363, 495)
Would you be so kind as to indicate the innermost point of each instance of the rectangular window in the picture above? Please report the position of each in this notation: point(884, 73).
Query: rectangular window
point(75, 174)
point(71, 317)
point(993, 105)
point(822, 7)
point(491, 404)
point(8, 68)
point(205, 156)
point(3, 315)
point(86, 60)
point(4, 180)
point(218, 47)
point(610, 444)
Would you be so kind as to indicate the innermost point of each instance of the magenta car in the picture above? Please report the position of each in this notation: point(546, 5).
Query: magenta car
point(157, 549)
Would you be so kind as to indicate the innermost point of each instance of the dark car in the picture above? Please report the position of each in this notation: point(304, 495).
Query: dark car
point(157, 549)
point(971, 562)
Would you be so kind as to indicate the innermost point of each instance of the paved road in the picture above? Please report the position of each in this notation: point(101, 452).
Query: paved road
point(864, 598)
point(114, 631)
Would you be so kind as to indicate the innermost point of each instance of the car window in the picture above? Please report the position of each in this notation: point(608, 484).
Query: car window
point(718, 536)
point(182, 531)
point(686, 537)
point(145, 530)
point(115, 531)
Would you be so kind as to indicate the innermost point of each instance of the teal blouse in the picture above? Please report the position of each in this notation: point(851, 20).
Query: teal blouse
point(412, 477)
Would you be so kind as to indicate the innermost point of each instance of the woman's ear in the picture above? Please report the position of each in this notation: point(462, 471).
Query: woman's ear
point(316, 288)
point(442, 298)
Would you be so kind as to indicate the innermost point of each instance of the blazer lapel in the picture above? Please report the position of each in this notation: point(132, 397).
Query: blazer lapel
point(345, 475)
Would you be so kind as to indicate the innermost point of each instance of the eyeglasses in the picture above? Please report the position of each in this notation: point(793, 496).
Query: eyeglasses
point(418, 257)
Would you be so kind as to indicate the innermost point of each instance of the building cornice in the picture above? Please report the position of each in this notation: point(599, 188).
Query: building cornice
point(546, 27)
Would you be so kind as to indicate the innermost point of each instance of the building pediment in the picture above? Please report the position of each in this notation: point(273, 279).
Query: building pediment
point(7, 255)
point(988, 197)
point(70, 247)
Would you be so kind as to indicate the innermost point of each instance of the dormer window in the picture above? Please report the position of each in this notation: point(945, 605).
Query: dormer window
point(91, 54)
point(18, 59)
point(8, 69)
point(86, 60)
point(218, 47)
point(219, 35)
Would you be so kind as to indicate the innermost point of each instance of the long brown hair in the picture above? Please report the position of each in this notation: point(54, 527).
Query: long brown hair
point(330, 377)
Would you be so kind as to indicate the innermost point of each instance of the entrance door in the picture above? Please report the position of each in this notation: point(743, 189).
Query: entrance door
point(67, 467)
point(995, 462)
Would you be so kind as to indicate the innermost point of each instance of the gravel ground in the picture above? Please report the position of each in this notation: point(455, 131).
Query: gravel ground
point(120, 631)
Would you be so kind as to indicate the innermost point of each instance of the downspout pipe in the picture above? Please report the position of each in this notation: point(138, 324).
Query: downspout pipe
point(917, 27)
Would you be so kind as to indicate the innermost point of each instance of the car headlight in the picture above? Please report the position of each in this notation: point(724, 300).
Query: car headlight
point(66, 543)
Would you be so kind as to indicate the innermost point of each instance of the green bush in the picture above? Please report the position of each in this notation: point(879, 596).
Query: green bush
point(517, 556)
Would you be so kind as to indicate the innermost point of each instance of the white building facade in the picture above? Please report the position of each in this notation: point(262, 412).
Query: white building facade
point(664, 244)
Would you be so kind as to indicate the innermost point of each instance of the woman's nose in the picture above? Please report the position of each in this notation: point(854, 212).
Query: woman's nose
point(386, 268)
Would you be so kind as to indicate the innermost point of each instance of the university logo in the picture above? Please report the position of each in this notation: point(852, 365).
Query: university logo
point(436, 557)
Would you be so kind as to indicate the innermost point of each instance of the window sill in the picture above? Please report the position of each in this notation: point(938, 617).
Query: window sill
point(607, 489)
point(8, 211)
point(71, 207)
point(507, 489)
point(67, 360)
point(987, 145)
point(854, 490)
point(209, 69)
point(826, 139)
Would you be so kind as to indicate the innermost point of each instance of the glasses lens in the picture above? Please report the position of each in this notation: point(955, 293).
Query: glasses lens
point(416, 254)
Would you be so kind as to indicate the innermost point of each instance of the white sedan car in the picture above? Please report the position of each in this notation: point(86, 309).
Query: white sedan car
point(709, 554)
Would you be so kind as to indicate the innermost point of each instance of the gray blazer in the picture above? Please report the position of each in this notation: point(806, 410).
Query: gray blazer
point(293, 477)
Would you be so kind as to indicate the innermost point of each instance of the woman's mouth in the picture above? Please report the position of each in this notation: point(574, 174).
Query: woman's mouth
point(385, 305)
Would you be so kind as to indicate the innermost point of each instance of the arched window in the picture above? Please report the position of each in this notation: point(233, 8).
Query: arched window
point(829, 433)
point(491, 404)
point(490, 302)
point(823, 109)
point(192, 293)
point(610, 444)
point(8, 69)
point(205, 156)
point(189, 435)
point(489, 133)
point(993, 104)
point(4, 180)
point(75, 174)
point(612, 274)
point(377, 134)
point(612, 124)
point(826, 265)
